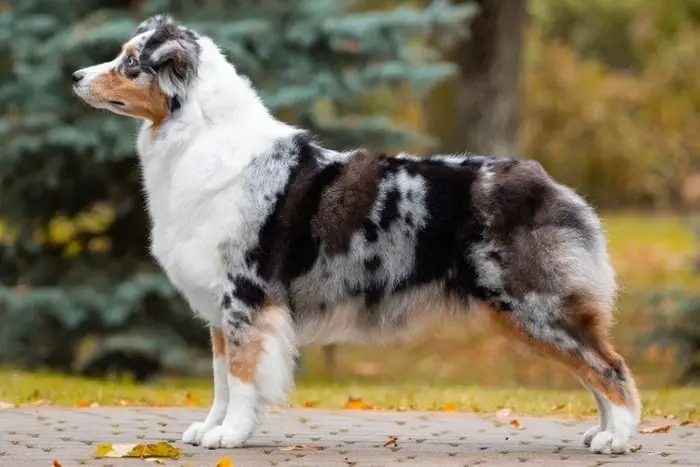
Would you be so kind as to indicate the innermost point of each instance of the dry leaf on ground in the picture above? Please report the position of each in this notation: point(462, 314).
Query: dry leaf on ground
point(224, 462)
point(659, 429)
point(161, 449)
point(310, 403)
point(635, 447)
point(392, 441)
point(515, 424)
point(357, 403)
point(56, 464)
point(687, 422)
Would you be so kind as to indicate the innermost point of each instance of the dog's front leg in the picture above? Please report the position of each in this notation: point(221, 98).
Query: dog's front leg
point(260, 352)
point(196, 431)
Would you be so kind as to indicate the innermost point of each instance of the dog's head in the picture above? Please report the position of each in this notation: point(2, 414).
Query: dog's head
point(150, 75)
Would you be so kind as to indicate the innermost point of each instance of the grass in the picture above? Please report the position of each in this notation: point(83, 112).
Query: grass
point(24, 388)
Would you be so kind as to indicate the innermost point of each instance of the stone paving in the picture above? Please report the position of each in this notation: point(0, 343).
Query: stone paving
point(312, 437)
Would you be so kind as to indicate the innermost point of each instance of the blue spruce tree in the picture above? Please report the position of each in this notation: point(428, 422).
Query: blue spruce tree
point(78, 290)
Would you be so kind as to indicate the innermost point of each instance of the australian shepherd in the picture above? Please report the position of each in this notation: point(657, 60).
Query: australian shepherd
point(278, 242)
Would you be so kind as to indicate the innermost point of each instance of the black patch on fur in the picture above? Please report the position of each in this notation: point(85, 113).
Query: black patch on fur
point(390, 211)
point(174, 104)
point(248, 292)
point(373, 263)
point(303, 245)
point(370, 231)
point(269, 248)
point(227, 301)
point(374, 293)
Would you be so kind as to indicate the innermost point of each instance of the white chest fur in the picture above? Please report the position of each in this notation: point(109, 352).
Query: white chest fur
point(200, 204)
point(192, 203)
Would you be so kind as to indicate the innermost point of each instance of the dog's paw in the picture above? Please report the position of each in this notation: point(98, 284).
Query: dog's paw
point(194, 434)
point(590, 434)
point(225, 437)
point(606, 442)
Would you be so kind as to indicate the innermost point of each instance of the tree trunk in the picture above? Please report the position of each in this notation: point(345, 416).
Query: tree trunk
point(486, 114)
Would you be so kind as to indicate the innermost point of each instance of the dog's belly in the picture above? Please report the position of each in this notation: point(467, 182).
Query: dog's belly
point(398, 316)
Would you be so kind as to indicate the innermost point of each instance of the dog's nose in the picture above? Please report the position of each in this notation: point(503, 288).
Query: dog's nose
point(77, 76)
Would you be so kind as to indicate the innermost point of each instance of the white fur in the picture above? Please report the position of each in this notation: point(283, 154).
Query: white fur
point(622, 424)
point(241, 417)
point(195, 433)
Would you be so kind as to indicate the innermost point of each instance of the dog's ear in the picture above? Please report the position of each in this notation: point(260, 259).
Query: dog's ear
point(171, 53)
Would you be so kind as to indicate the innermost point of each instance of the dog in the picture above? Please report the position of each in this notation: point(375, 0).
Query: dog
point(277, 242)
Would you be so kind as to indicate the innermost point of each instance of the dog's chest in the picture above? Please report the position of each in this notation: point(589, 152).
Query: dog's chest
point(190, 220)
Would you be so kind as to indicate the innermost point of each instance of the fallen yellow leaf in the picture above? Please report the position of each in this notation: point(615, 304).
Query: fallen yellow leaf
point(660, 429)
point(160, 449)
point(224, 462)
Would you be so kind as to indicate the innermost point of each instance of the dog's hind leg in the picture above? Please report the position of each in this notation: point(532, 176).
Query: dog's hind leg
point(261, 351)
point(574, 332)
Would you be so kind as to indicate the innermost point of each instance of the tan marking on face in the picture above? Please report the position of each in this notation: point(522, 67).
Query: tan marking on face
point(243, 359)
point(218, 342)
point(142, 100)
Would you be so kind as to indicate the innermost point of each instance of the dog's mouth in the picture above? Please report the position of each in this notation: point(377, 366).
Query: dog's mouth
point(116, 103)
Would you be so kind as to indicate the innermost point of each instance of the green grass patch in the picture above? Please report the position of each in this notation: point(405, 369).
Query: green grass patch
point(24, 388)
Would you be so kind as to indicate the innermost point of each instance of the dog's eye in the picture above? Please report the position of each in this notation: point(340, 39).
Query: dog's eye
point(131, 61)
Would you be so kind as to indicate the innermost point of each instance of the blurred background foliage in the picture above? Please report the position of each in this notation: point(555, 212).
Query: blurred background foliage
point(604, 93)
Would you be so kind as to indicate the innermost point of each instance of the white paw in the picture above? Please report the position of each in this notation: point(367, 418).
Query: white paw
point(607, 442)
point(590, 434)
point(225, 437)
point(194, 434)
